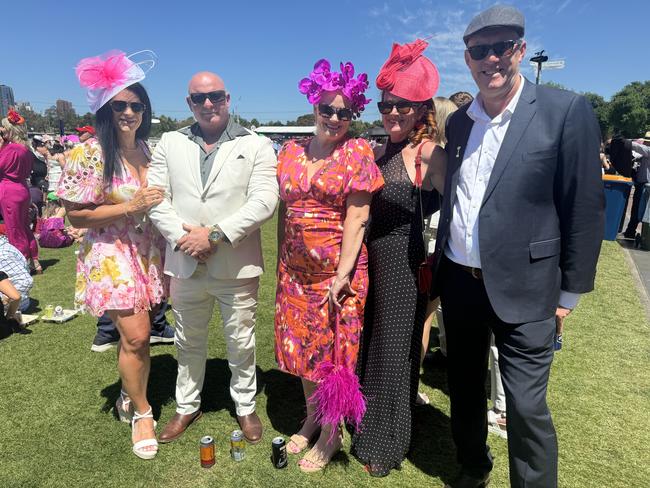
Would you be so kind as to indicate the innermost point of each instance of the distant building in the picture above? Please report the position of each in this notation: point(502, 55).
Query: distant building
point(24, 106)
point(6, 99)
point(64, 108)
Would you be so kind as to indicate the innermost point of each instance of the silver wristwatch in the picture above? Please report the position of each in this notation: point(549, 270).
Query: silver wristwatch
point(216, 235)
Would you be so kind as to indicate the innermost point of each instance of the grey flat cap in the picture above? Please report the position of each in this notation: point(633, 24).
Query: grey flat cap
point(497, 16)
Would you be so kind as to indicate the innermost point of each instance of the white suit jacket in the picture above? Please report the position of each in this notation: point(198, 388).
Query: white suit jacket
point(240, 194)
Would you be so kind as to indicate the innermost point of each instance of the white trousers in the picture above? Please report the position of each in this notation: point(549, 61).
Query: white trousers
point(498, 394)
point(193, 303)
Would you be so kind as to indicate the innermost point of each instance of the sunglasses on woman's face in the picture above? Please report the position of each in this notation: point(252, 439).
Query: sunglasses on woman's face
point(215, 97)
point(119, 106)
point(501, 48)
point(328, 111)
point(403, 107)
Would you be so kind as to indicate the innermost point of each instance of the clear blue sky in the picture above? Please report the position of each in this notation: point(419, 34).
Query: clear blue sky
point(262, 49)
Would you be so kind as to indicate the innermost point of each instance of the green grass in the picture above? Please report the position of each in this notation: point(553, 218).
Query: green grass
point(58, 427)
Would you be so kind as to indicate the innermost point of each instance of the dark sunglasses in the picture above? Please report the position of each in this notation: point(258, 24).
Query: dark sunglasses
point(402, 107)
point(215, 97)
point(328, 111)
point(119, 106)
point(501, 48)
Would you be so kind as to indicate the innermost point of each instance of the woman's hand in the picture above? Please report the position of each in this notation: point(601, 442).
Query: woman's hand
point(145, 198)
point(339, 292)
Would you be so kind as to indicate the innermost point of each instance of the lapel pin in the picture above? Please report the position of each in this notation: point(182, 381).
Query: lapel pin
point(458, 152)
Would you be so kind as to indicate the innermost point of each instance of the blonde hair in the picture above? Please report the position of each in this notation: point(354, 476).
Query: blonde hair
point(427, 128)
point(15, 133)
point(444, 108)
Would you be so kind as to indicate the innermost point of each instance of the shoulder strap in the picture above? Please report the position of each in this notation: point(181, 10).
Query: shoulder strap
point(418, 185)
point(418, 167)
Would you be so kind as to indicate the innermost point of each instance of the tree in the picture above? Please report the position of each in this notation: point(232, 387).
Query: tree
point(629, 110)
point(304, 120)
point(166, 124)
point(601, 109)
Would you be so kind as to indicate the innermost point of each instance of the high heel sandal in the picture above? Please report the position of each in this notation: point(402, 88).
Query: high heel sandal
point(301, 442)
point(317, 460)
point(124, 408)
point(139, 448)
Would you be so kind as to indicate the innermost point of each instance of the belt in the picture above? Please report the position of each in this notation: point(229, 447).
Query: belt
point(475, 272)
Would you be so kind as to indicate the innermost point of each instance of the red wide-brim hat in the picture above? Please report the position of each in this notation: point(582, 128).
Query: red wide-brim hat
point(86, 128)
point(408, 74)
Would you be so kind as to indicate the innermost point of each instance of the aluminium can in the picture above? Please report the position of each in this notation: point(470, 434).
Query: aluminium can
point(207, 451)
point(279, 453)
point(237, 446)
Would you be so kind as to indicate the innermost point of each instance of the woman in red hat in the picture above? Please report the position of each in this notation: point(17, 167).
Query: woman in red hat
point(15, 168)
point(413, 167)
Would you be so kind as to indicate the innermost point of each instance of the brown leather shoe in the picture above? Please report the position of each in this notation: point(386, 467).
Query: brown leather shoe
point(251, 426)
point(177, 425)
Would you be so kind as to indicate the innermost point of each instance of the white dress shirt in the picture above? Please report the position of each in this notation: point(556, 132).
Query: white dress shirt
point(483, 145)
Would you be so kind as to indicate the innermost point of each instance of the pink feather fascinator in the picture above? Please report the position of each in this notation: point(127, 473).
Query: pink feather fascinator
point(106, 75)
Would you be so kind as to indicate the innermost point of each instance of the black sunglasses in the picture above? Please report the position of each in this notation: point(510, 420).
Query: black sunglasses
point(215, 97)
point(119, 106)
point(328, 111)
point(501, 48)
point(403, 107)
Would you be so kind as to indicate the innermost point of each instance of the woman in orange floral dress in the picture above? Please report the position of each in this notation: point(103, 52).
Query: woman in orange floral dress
point(326, 185)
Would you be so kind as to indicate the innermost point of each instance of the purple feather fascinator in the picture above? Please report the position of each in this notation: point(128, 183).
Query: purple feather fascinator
point(323, 79)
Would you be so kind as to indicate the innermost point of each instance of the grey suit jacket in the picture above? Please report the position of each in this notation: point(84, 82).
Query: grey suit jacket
point(541, 221)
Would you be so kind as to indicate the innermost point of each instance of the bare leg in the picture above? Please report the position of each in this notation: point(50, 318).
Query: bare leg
point(300, 440)
point(133, 364)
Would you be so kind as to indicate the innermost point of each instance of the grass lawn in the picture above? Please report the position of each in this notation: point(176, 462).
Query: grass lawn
point(58, 426)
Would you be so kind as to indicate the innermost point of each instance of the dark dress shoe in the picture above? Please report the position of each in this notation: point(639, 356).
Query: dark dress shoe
point(177, 425)
point(251, 426)
point(465, 480)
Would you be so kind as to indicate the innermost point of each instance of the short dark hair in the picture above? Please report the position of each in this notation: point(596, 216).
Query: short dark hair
point(108, 138)
point(461, 98)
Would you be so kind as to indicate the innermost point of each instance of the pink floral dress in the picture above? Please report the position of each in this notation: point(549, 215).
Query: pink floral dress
point(119, 266)
point(309, 256)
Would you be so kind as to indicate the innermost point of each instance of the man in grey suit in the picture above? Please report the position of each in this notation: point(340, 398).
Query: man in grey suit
point(519, 237)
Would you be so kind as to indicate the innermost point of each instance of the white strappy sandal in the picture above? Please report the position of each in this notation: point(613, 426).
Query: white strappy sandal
point(124, 408)
point(140, 447)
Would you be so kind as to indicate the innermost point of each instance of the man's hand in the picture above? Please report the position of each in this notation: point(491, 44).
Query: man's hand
point(195, 243)
point(560, 314)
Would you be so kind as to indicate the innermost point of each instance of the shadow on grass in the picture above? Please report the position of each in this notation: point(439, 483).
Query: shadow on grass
point(215, 395)
point(46, 263)
point(162, 383)
point(432, 447)
point(285, 402)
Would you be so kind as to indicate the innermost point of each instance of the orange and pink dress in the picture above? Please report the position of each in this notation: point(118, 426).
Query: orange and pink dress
point(309, 256)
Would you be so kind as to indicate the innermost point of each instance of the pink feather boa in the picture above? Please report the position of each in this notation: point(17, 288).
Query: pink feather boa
point(338, 396)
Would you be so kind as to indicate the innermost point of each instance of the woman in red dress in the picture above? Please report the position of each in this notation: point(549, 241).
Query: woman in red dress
point(326, 185)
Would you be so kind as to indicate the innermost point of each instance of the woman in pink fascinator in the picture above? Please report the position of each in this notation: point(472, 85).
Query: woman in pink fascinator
point(120, 260)
point(413, 167)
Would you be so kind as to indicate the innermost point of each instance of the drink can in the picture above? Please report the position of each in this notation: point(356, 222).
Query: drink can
point(557, 345)
point(19, 317)
point(207, 452)
point(49, 311)
point(237, 446)
point(279, 454)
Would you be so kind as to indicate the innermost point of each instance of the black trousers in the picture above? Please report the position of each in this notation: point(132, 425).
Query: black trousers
point(525, 357)
point(634, 212)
